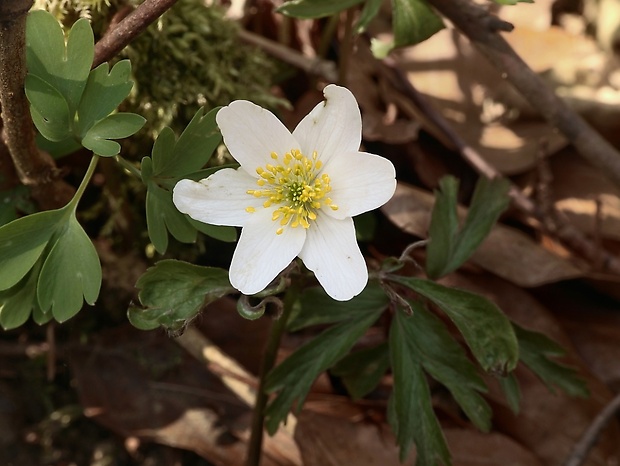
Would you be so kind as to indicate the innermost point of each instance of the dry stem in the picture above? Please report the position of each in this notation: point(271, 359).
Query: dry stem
point(482, 30)
point(129, 28)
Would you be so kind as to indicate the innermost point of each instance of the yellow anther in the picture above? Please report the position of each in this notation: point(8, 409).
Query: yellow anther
point(294, 185)
point(250, 209)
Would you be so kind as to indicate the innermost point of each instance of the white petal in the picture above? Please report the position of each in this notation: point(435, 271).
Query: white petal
point(220, 199)
point(252, 133)
point(332, 253)
point(332, 127)
point(261, 254)
point(360, 182)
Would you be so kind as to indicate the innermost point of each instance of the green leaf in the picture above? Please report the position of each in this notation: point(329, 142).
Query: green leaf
point(104, 92)
point(369, 12)
point(173, 292)
point(293, 378)
point(221, 233)
point(444, 227)
point(117, 126)
point(49, 109)
point(431, 344)
point(136, 317)
point(362, 370)
point(536, 353)
point(490, 199)
point(410, 410)
point(510, 387)
point(193, 149)
point(17, 303)
point(66, 69)
point(22, 242)
point(162, 216)
point(414, 21)
point(38, 315)
point(316, 307)
point(450, 248)
point(71, 273)
point(308, 9)
point(487, 331)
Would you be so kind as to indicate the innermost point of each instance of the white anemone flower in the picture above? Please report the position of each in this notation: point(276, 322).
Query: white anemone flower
point(294, 195)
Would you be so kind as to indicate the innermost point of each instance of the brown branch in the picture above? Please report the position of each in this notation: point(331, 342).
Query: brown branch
point(313, 66)
point(552, 222)
point(35, 169)
point(129, 28)
point(481, 29)
point(590, 436)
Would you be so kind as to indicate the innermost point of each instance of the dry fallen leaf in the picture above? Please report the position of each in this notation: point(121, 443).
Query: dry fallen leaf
point(576, 187)
point(140, 384)
point(458, 83)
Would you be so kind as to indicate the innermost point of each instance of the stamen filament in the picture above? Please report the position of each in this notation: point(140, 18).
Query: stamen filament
point(293, 182)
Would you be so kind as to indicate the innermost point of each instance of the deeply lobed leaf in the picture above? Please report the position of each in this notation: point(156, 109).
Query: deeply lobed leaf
point(65, 68)
point(414, 21)
point(316, 307)
point(173, 292)
point(70, 274)
point(48, 265)
point(410, 410)
point(293, 378)
point(449, 248)
point(487, 331)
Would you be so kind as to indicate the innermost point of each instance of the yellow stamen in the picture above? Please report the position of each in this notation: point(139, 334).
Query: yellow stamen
point(295, 185)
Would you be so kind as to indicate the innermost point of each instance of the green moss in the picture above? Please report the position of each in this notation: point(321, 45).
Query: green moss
point(191, 57)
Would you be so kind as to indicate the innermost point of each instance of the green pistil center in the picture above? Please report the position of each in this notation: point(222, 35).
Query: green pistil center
point(294, 184)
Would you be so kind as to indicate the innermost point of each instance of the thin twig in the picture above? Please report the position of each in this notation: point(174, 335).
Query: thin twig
point(555, 224)
point(312, 66)
point(481, 29)
point(34, 168)
point(591, 435)
point(116, 38)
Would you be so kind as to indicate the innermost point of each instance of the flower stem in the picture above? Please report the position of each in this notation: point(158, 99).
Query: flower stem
point(269, 359)
point(87, 176)
point(130, 167)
